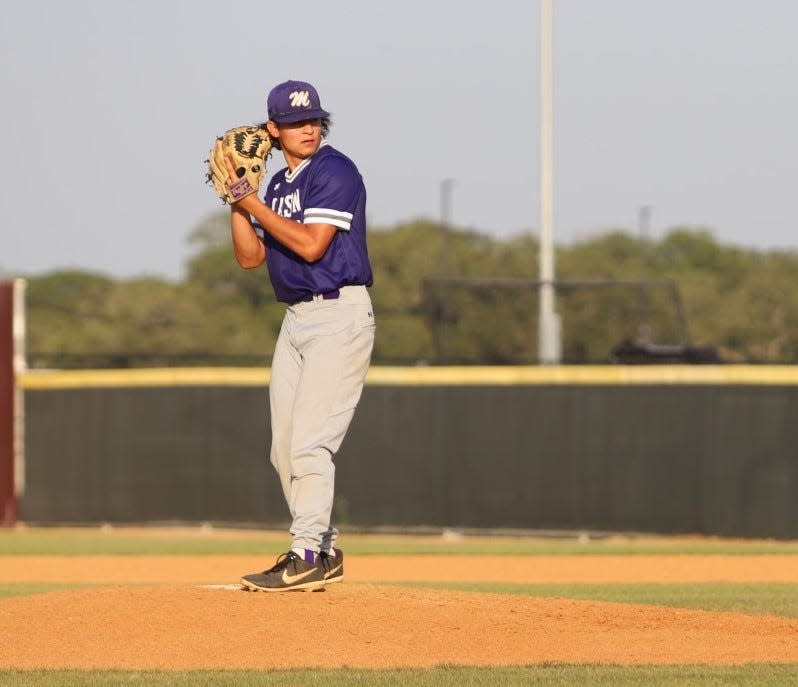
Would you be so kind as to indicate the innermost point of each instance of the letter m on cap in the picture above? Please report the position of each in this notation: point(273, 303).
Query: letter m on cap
point(299, 99)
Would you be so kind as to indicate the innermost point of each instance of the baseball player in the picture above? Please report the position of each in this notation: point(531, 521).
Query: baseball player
point(310, 230)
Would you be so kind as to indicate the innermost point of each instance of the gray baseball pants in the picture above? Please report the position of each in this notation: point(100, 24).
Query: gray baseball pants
point(320, 362)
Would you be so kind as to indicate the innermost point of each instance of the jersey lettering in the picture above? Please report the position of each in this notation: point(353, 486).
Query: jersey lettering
point(285, 206)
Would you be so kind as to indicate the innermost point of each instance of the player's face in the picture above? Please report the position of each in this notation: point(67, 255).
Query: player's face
point(300, 140)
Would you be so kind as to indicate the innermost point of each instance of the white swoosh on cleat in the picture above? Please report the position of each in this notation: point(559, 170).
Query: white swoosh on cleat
point(291, 579)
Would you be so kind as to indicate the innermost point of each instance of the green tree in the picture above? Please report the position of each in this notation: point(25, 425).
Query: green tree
point(742, 301)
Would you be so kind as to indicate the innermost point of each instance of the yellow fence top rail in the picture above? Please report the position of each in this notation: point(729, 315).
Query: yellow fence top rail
point(756, 375)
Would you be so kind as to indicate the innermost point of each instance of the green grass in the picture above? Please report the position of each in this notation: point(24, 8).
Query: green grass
point(118, 541)
point(759, 675)
point(10, 589)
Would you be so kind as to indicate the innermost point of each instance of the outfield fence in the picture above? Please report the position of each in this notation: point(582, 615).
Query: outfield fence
point(665, 449)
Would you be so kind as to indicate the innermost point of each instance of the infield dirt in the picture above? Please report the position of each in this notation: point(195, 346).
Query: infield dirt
point(154, 612)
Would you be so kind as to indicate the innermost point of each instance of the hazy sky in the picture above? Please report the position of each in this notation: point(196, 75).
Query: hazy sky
point(109, 109)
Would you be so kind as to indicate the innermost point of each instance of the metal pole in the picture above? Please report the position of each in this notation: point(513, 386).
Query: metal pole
point(644, 236)
point(645, 334)
point(549, 345)
point(446, 222)
point(446, 202)
point(445, 264)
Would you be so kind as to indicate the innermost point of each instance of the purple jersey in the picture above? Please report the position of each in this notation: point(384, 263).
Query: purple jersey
point(324, 189)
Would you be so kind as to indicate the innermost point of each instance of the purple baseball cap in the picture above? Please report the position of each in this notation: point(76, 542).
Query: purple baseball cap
point(294, 101)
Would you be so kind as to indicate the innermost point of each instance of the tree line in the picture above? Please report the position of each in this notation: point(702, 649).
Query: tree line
point(441, 295)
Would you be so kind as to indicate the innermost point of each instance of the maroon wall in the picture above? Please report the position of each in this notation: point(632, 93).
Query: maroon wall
point(8, 505)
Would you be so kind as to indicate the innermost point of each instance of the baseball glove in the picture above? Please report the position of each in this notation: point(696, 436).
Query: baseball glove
point(247, 147)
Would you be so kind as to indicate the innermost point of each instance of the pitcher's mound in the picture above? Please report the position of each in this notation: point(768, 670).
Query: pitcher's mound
point(366, 626)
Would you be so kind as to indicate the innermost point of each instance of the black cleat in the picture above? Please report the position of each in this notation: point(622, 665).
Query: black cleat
point(333, 566)
point(289, 572)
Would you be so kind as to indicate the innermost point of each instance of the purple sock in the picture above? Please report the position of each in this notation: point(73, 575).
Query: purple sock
point(307, 555)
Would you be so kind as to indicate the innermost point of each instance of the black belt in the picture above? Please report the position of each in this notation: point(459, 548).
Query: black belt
point(327, 296)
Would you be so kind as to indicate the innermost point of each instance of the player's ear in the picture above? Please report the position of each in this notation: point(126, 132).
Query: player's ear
point(272, 128)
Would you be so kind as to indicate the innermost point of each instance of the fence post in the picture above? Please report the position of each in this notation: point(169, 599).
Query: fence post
point(8, 501)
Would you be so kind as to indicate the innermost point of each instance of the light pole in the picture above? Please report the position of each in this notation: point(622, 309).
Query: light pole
point(549, 335)
point(446, 202)
point(446, 222)
point(643, 230)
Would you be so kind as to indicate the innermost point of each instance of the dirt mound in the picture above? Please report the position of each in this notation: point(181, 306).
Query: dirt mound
point(369, 626)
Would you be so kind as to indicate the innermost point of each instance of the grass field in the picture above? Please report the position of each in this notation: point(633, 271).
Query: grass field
point(446, 676)
point(219, 541)
point(772, 599)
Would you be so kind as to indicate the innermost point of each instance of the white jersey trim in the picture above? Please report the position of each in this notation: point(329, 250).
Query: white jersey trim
point(290, 176)
point(342, 220)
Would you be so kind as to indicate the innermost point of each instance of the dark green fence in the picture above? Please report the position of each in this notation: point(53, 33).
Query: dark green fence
point(719, 460)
